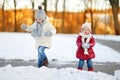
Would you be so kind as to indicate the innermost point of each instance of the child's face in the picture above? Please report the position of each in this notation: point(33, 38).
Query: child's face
point(39, 20)
point(86, 30)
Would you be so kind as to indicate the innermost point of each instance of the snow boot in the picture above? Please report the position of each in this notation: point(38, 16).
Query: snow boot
point(45, 62)
point(79, 68)
point(90, 69)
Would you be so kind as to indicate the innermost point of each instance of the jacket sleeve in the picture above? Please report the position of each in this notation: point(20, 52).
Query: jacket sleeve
point(52, 29)
point(78, 41)
point(92, 42)
point(30, 28)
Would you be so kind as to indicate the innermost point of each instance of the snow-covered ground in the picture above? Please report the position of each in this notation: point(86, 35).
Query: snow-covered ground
point(108, 37)
point(33, 73)
point(21, 46)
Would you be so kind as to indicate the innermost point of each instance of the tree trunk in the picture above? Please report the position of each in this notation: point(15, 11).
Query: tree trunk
point(3, 26)
point(91, 14)
point(115, 9)
point(86, 7)
point(33, 17)
point(63, 17)
point(55, 10)
point(15, 26)
point(45, 6)
point(54, 16)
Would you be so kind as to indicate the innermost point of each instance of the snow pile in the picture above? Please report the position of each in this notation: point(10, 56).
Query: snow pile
point(44, 73)
point(117, 74)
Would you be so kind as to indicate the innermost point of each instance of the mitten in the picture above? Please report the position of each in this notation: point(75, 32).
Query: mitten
point(23, 26)
point(84, 45)
point(87, 45)
point(48, 33)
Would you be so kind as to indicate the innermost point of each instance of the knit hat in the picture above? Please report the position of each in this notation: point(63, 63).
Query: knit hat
point(40, 14)
point(86, 24)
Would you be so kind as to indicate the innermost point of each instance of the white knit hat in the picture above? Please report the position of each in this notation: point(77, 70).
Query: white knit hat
point(40, 14)
point(86, 24)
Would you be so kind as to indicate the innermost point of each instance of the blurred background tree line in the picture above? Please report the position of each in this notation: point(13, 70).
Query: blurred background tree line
point(104, 21)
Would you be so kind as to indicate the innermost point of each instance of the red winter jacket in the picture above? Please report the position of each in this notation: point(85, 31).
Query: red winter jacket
point(80, 51)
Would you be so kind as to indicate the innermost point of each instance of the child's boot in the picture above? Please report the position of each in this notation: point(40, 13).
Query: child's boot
point(79, 68)
point(45, 62)
point(90, 69)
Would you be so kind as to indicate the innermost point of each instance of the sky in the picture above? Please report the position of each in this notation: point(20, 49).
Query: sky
point(22, 46)
point(71, 5)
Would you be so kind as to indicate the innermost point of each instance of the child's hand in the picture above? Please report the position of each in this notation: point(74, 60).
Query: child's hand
point(23, 26)
point(48, 33)
point(85, 45)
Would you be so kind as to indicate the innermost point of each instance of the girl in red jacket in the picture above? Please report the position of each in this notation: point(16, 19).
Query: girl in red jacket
point(85, 43)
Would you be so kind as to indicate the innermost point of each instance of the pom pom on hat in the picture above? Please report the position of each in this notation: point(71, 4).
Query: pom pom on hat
point(86, 24)
point(40, 14)
point(39, 7)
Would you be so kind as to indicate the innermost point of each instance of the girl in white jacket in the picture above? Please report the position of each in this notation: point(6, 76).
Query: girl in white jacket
point(42, 30)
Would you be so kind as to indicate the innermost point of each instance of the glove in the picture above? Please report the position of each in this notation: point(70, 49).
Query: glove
point(48, 33)
point(85, 45)
point(23, 26)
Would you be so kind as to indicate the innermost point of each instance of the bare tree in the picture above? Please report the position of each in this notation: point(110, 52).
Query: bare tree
point(33, 4)
point(115, 9)
point(63, 16)
point(91, 12)
point(45, 5)
point(3, 5)
point(86, 7)
point(15, 27)
point(56, 9)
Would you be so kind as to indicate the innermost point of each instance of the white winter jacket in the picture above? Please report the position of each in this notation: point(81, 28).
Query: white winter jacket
point(43, 40)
